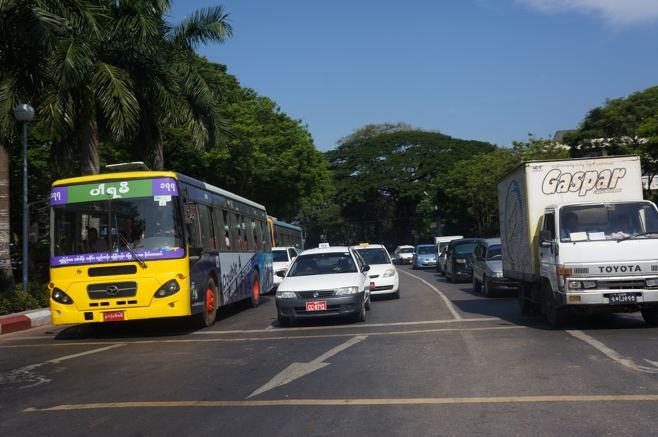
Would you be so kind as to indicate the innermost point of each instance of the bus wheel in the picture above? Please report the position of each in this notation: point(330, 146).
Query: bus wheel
point(210, 305)
point(255, 292)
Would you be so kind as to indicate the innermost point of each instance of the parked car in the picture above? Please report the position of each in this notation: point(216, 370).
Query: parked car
point(404, 254)
point(282, 258)
point(424, 256)
point(383, 273)
point(328, 281)
point(488, 268)
point(441, 244)
point(459, 259)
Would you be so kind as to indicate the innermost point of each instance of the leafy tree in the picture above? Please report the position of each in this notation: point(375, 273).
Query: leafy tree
point(384, 172)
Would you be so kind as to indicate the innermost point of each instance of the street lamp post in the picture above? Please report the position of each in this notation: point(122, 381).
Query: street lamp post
point(25, 113)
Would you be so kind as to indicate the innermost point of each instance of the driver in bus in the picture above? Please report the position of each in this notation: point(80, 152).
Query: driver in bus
point(95, 244)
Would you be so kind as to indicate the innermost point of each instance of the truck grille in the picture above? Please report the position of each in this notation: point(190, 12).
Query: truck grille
point(621, 285)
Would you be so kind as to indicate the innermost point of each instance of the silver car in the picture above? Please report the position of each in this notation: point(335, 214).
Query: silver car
point(488, 268)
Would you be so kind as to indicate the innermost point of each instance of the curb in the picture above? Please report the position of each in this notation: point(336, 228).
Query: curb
point(26, 320)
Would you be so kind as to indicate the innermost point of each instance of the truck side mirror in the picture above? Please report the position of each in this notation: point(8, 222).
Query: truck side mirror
point(545, 238)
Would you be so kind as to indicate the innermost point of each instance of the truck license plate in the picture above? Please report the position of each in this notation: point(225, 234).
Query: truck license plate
point(616, 298)
point(320, 305)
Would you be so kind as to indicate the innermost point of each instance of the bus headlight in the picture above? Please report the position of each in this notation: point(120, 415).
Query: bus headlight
point(169, 288)
point(60, 297)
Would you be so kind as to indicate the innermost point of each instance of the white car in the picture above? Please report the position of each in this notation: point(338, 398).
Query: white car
point(404, 254)
point(282, 258)
point(331, 281)
point(382, 271)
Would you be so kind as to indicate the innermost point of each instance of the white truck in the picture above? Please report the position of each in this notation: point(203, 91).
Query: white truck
point(579, 237)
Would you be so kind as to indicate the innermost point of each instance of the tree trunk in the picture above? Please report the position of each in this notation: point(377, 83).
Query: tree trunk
point(6, 274)
point(157, 155)
point(89, 155)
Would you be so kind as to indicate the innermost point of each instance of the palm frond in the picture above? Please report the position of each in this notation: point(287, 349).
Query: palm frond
point(116, 99)
point(203, 26)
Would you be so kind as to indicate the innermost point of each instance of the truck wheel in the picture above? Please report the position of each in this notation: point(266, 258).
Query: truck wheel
point(650, 316)
point(556, 316)
point(525, 306)
point(477, 287)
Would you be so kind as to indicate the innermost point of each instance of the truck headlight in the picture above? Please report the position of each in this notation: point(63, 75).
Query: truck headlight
point(346, 290)
point(651, 283)
point(280, 294)
point(575, 285)
point(391, 272)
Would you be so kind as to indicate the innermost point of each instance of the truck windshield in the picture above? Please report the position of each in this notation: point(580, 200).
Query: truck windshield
point(116, 230)
point(611, 221)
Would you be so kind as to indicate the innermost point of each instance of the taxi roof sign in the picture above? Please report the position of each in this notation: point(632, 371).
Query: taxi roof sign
point(323, 245)
point(364, 244)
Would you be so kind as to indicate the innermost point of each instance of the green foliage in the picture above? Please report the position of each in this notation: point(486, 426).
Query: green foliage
point(384, 173)
point(17, 300)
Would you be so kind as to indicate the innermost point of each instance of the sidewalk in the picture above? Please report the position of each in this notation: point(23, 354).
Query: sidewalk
point(25, 320)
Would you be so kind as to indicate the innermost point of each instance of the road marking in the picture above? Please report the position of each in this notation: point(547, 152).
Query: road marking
point(610, 353)
point(297, 370)
point(447, 301)
point(273, 338)
point(28, 374)
point(367, 325)
point(351, 402)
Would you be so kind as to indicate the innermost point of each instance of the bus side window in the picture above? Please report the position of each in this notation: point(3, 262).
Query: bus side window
point(233, 234)
point(192, 225)
point(267, 235)
point(255, 227)
point(205, 223)
point(245, 233)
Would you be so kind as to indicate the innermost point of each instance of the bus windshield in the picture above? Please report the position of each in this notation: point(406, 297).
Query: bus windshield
point(117, 229)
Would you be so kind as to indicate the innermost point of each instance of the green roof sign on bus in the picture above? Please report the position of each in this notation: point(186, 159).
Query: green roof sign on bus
point(113, 190)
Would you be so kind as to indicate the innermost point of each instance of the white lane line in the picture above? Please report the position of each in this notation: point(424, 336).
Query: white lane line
point(297, 370)
point(334, 327)
point(449, 304)
point(613, 355)
point(350, 402)
point(82, 354)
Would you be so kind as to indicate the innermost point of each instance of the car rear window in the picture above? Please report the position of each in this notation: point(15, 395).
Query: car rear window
point(374, 256)
point(279, 256)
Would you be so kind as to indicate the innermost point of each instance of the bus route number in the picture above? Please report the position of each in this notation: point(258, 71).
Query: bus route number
point(168, 186)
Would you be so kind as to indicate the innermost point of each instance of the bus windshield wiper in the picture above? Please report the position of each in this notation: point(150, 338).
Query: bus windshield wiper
point(123, 240)
point(641, 234)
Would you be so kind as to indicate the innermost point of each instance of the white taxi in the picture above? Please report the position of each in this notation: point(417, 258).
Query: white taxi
point(328, 281)
point(282, 258)
point(382, 271)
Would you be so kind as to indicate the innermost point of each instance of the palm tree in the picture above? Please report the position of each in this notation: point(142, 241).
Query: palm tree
point(29, 30)
point(169, 80)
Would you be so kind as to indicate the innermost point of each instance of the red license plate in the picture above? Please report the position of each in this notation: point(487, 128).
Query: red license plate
point(113, 316)
point(320, 305)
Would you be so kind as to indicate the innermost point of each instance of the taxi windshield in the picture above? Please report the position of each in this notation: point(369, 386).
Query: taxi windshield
point(323, 264)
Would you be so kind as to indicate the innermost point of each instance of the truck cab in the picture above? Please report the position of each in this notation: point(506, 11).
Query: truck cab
point(599, 256)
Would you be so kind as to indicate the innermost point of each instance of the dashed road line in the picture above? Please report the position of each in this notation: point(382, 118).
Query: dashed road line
point(351, 402)
point(447, 301)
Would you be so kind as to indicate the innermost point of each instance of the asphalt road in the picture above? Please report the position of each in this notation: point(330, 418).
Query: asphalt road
point(442, 360)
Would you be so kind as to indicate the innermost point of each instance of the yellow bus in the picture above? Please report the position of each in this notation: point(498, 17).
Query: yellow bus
point(144, 244)
point(285, 234)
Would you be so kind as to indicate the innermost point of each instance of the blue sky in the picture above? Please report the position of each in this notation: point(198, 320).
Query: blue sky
point(492, 70)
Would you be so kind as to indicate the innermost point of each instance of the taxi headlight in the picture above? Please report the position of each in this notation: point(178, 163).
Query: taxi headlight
point(61, 297)
point(391, 272)
point(460, 260)
point(499, 274)
point(346, 290)
point(280, 294)
point(169, 288)
point(652, 282)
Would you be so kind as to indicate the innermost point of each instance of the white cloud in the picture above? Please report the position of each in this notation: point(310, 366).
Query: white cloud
point(616, 12)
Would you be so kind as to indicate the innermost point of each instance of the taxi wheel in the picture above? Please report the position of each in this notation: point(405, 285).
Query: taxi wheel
point(255, 291)
point(283, 321)
point(486, 289)
point(477, 287)
point(396, 295)
point(367, 304)
point(361, 315)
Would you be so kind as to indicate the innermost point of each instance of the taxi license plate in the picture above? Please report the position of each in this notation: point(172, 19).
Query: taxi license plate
point(113, 316)
point(622, 298)
point(320, 305)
